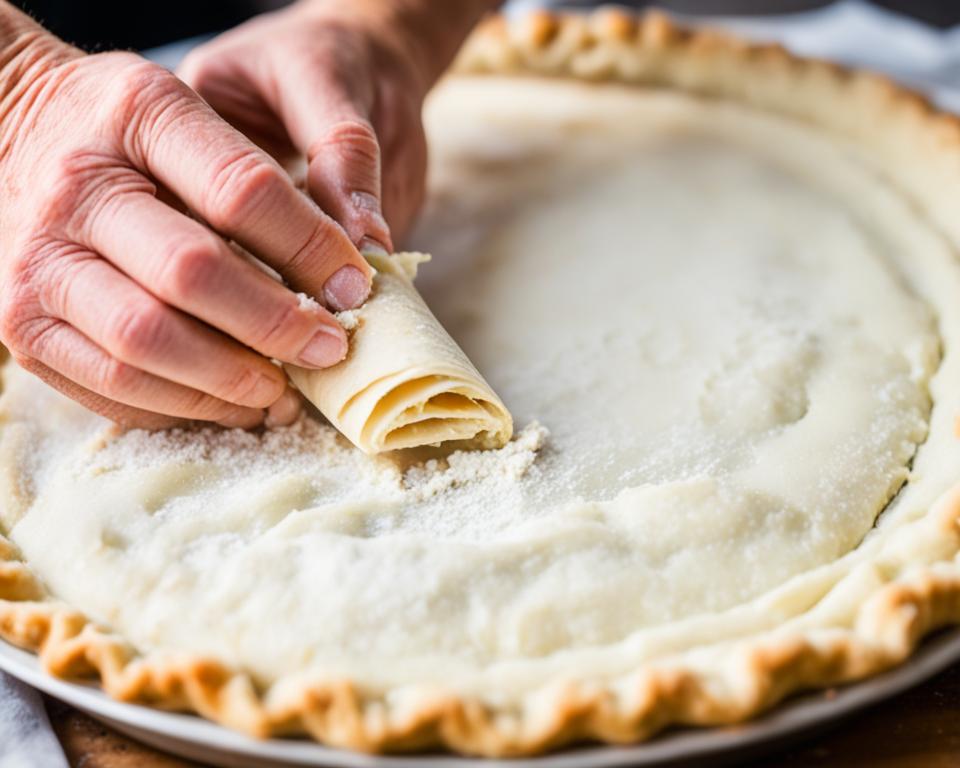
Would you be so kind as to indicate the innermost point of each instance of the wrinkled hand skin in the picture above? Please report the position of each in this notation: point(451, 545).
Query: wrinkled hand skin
point(340, 84)
point(122, 186)
point(109, 291)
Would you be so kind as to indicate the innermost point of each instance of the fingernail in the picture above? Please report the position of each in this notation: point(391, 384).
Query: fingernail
point(370, 247)
point(285, 411)
point(326, 348)
point(247, 418)
point(370, 206)
point(346, 288)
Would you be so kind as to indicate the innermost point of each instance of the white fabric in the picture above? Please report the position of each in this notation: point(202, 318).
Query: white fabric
point(858, 34)
point(26, 738)
point(851, 32)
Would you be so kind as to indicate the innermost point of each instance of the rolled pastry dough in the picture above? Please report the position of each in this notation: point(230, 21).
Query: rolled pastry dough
point(405, 382)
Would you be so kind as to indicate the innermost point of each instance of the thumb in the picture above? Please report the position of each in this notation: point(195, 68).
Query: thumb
point(329, 122)
point(343, 176)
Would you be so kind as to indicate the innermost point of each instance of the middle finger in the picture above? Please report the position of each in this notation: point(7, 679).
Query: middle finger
point(186, 265)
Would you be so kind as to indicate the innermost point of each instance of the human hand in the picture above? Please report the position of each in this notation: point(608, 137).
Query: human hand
point(112, 293)
point(342, 84)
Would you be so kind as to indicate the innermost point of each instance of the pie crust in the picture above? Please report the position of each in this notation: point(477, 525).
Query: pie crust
point(910, 595)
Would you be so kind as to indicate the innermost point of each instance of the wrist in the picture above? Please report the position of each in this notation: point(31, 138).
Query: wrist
point(434, 31)
point(425, 33)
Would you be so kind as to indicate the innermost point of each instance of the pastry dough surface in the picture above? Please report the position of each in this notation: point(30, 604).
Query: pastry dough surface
point(733, 330)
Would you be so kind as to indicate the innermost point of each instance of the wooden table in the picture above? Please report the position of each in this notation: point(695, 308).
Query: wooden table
point(920, 729)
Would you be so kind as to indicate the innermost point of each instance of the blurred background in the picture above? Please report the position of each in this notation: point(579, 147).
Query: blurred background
point(105, 24)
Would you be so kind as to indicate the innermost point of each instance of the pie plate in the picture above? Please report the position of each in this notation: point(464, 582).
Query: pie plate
point(194, 738)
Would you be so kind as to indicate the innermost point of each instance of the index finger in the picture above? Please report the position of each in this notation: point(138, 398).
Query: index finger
point(245, 195)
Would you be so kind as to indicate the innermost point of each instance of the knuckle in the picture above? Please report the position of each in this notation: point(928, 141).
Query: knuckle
point(189, 267)
point(11, 333)
point(354, 140)
point(60, 284)
point(138, 331)
point(239, 186)
point(320, 253)
point(273, 337)
point(144, 95)
point(243, 387)
point(14, 330)
point(113, 378)
point(85, 184)
point(16, 314)
point(74, 176)
point(138, 83)
point(22, 311)
point(29, 336)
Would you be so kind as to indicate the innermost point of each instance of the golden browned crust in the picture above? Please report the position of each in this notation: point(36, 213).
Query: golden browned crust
point(915, 145)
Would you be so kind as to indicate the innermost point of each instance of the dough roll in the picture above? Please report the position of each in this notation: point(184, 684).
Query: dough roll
point(405, 382)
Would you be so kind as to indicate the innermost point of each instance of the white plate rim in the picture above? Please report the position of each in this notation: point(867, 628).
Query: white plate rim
point(796, 716)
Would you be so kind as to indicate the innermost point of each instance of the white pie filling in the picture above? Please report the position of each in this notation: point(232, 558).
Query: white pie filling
point(730, 325)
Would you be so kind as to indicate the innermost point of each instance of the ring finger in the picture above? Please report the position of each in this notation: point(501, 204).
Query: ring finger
point(139, 330)
point(58, 347)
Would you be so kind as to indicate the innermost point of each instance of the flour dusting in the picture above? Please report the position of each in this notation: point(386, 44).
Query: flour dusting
point(308, 302)
point(348, 319)
point(507, 465)
point(309, 468)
